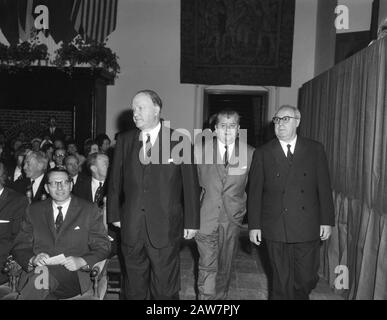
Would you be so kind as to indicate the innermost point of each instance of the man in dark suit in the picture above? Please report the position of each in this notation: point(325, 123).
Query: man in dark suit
point(155, 202)
point(78, 178)
point(35, 166)
point(223, 203)
point(64, 225)
point(12, 208)
point(290, 205)
point(53, 132)
point(93, 188)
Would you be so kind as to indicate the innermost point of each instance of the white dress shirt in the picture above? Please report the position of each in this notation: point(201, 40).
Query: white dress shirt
point(65, 207)
point(36, 184)
point(284, 145)
point(94, 186)
point(74, 179)
point(153, 136)
point(17, 173)
point(222, 149)
point(1, 191)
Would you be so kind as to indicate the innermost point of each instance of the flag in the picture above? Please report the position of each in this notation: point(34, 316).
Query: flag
point(9, 20)
point(25, 19)
point(94, 19)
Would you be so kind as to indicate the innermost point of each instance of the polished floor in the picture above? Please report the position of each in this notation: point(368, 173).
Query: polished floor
point(249, 280)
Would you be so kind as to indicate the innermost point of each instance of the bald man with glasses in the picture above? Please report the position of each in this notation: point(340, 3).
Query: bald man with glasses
point(290, 205)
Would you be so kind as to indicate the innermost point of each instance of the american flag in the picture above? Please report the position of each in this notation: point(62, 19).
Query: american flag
point(94, 19)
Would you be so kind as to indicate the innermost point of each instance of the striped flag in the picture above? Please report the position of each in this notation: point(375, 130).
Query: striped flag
point(94, 19)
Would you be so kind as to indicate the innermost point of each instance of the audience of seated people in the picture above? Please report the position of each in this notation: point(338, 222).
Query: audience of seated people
point(24, 183)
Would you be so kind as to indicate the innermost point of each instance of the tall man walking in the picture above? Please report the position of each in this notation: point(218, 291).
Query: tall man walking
point(152, 202)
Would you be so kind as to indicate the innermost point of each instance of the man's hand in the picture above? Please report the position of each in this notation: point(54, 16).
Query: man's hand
point(325, 232)
point(189, 233)
point(255, 236)
point(40, 259)
point(117, 224)
point(74, 263)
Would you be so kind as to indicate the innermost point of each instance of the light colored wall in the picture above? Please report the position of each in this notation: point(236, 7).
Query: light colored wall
point(382, 10)
point(147, 40)
point(304, 44)
point(359, 14)
point(325, 36)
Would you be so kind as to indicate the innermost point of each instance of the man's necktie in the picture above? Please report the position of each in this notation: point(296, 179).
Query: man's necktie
point(148, 146)
point(98, 194)
point(225, 161)
point(59, 219)
point(30, 188)
point(289, 154)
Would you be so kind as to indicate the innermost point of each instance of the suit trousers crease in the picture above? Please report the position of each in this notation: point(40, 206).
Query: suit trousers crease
point(217, 251)
point(151, 273)
point(295, 268)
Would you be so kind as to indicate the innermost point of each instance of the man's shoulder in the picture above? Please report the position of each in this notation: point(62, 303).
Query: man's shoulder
point(309, 143)
point(15, 197)
point(129, 134)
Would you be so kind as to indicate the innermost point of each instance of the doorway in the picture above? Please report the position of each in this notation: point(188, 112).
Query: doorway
point(251, 105)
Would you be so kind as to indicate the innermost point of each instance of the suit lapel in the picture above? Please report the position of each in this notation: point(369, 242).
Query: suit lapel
point(71, 215)
point(3, 199)
point(222, 172)
point(49, 217)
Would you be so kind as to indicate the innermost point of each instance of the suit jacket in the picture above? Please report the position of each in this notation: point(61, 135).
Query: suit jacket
point(23, 185)
point(82, 188)
point(82, 234)
point(223, 188)
point(167, 194)
point(12, 209)
point(290, 202)
point(58, 134)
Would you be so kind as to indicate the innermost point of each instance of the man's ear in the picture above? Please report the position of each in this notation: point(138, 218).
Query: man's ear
point(46, 188)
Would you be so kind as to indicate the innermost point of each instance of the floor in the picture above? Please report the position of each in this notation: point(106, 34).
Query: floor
point(248, 281)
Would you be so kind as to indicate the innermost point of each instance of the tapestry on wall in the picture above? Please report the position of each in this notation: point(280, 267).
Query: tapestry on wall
point(244, 42)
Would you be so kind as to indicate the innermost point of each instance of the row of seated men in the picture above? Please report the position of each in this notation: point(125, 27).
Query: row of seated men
point(32, 210)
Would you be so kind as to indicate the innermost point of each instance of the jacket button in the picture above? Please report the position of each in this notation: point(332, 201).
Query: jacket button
point(304, 174)
point(302, 191)
point(303, 208)
point(278, 175)
point(286, 210)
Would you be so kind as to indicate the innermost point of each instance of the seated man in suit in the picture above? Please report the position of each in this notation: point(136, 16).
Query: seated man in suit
point(79, 179)
point(12, 208)
point(64, 225)
point(35, 166)
point(53, 132)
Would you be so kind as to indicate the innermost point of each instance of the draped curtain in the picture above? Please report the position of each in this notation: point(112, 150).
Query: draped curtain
point(345, 109)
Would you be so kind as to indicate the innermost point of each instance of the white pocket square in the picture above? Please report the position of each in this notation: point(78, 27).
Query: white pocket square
point(245, 167)
point(77, 228)
point(170, 160)
point(4, 221)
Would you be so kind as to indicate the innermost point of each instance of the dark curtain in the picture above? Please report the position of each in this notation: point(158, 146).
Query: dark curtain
point(345, 109)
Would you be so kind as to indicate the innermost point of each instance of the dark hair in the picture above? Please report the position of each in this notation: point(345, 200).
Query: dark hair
point(47, 146)
point(227, 113)
point(56, 169)
point(153, 96)
point(101, 138)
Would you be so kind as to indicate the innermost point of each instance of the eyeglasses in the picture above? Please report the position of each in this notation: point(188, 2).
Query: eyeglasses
point(285, 119)
point(225, 126)
point(56, 184)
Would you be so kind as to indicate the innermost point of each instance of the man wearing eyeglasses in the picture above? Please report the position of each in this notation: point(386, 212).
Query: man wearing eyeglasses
point(290, 205)
point(64, 225)
point(223, 204)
